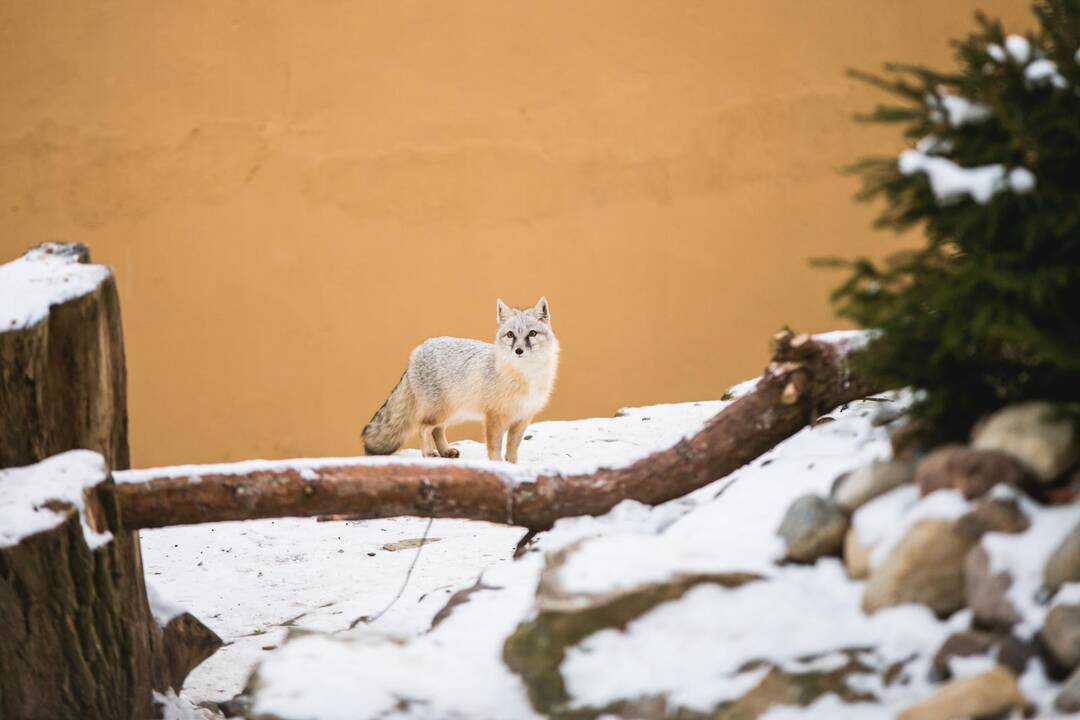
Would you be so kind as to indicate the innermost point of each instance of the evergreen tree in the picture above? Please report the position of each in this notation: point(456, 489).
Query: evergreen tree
point(987, 312)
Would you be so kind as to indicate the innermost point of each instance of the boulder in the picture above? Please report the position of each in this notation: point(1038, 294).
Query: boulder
point(1035, 433)
point(926, 567)
point(972, 472)
point(812, 528)
point(1068, 700)
point(1060, 638)
point(536, 649)
point(990, 693)
point(1064, 564)
point(869, 481)
point(986, 593)
point(856, 556)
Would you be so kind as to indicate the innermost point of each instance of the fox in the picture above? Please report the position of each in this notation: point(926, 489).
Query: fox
point(451, 380)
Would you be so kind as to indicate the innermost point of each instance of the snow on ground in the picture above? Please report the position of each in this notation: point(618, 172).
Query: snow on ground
point(45, 276)
point(728, 525)
point(252, 582)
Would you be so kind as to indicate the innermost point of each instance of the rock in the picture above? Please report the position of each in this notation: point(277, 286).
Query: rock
point(1068, 700)
point(1035, 434)
point(1008, 651)
point(926, 567)
point(536, 649)
point(812, 528)
point(990, 693)
point(856, 556)
point(961, 644)
point(986, 592)
point(1060, 638)
point(994, 515)
point(782, 688)
point(906, 441)
point(869, 481)
point(1064, 564)
point(972, 472)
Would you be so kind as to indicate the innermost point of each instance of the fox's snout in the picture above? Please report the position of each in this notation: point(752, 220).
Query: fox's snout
point(519, 351)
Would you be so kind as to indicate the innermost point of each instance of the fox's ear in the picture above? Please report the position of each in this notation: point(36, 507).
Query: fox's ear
point(502, 311)
point(543, 314)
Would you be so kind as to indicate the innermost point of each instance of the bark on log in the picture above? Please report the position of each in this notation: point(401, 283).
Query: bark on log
point(77, 639)
point(805, 378)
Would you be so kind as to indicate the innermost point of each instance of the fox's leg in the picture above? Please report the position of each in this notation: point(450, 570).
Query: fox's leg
point(513, 438)
point(427, 442)
point(439, 435)
point(494, 427)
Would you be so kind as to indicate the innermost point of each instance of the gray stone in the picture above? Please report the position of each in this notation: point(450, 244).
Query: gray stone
point(1068, 700)
point(972, 472)
point(869, 481)
point(925, 567)
point(812, 528)
point(1060, 637)
point(1036, 434)
point(1064, 564)
point(986, 593)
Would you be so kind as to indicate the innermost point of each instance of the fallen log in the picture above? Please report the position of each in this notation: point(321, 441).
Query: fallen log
point(807, 377)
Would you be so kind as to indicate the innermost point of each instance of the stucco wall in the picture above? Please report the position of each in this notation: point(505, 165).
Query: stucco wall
point(294, 194)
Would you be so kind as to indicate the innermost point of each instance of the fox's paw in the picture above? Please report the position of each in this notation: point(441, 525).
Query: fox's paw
point(451, 453)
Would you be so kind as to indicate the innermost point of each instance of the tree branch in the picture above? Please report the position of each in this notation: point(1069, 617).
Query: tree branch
point(806, 376)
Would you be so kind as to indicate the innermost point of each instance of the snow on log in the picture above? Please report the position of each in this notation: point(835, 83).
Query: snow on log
point(807, 376)
point(62, 373)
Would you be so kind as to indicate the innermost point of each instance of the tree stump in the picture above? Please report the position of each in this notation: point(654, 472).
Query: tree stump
point(77, 638)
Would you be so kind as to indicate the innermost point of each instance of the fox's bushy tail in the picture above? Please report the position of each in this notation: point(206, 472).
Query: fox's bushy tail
point(392, 422)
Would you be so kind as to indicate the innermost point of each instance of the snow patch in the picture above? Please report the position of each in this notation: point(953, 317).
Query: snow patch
point(63, 478)
point(951, 183)
point(1023, 556)
point(1045, 72)
point(967, 666)
point(697, 644)
point(1018, 48)
point(884, 521)
point(1021, 180)
point(45, 276)
point(455, 671)
point(955, 110)
point(161, 608)
point(996, 52)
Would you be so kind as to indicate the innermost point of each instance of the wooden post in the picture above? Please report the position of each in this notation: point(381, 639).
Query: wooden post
point(77, 639)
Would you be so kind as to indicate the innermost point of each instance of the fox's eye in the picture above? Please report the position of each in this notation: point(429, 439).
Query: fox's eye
point(510, 335)
point(532, 333)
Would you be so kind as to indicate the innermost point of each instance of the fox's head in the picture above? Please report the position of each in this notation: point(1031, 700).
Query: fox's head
point(525, 334)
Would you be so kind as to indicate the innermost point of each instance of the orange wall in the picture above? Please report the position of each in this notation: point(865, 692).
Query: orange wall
point(294, 194)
